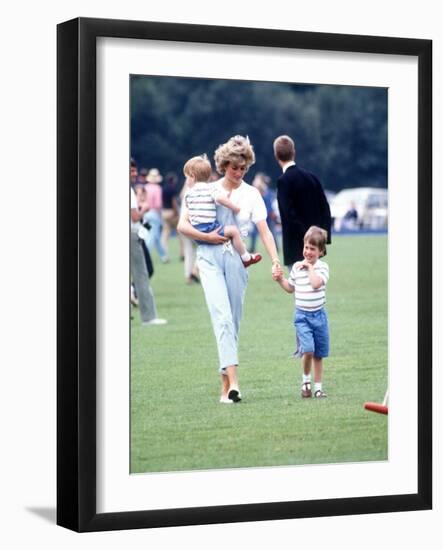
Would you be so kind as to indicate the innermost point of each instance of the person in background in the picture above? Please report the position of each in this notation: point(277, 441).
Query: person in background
point(170, 211)
point(301, 201)
point(141, 178)
point(139, 190)
point(261, 182)
point(138, 182)
point(152, 202)
point(139, 272)
point(350, 219)
point(214, 176)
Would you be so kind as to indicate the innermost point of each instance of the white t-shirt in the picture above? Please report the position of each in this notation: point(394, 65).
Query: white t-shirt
point(307, 297)
point(135, 226)
point(251, 203)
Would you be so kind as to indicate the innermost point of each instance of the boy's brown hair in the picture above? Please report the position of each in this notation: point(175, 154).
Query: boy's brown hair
point(198, 167)
point(284, 148)
point(318, 237)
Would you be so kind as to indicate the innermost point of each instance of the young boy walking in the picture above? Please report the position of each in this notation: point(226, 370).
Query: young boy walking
point(308, 279)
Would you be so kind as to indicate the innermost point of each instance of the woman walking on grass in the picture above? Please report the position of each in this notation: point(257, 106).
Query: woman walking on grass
point(222, 273)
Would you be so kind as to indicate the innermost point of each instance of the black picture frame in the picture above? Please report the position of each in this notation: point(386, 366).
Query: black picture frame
point(76, 278)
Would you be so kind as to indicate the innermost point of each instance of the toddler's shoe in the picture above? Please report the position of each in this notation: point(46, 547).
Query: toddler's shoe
point(306, 389)
point(254, 259)
point(319, 394)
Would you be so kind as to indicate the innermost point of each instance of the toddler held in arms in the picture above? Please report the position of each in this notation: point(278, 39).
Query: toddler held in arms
point(201, 199)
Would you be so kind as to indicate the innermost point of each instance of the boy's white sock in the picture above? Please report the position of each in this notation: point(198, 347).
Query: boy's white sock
point(246, 256)
point(317, 386)
point(306, 378)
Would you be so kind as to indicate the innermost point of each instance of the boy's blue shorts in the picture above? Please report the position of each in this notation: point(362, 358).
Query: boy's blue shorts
point(312, 332)
point(207, 228)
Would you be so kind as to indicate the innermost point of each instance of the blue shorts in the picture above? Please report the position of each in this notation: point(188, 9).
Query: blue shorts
point(312, 332)
point(207, 228)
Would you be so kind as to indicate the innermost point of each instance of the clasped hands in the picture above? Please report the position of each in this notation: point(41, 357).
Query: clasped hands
point(277, 271)
point(214, 237)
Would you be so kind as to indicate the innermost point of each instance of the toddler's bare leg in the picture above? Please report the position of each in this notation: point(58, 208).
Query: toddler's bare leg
point(232, 232)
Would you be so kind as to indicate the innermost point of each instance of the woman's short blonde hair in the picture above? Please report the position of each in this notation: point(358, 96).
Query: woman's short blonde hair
point(198, 167)
point(237, 149)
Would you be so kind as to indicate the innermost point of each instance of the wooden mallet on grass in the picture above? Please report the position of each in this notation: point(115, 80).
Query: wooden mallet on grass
point(381, 408)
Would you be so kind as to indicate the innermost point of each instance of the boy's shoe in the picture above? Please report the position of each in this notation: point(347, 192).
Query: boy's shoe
point(320, 394)
point(254, 259)
point(154, 322)
point(224, 399)
point(234, 395)
point(306, 389)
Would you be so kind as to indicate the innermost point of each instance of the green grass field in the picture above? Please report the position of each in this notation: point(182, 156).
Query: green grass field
point(177, 422)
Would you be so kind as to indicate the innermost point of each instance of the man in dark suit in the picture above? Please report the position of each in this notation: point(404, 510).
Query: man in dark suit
point(301, 201)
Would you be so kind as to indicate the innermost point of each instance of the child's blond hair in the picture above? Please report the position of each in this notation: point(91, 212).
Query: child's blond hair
point(198, 167)
point(318, 237)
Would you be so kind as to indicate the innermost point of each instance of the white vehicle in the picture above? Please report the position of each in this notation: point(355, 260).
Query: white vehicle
point(370, 205)
point(329, 195)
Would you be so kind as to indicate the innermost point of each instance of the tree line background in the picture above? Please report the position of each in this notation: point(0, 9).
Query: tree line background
point(340, 132)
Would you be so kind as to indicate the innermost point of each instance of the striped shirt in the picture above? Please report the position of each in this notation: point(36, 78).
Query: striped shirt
point(200, 201)
point(306, 297)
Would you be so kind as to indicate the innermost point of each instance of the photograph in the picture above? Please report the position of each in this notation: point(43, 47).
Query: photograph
point(234, 214)
point(258, 274)
point(229, 329)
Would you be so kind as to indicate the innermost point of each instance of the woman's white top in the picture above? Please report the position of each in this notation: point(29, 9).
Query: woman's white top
point(251, 203)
